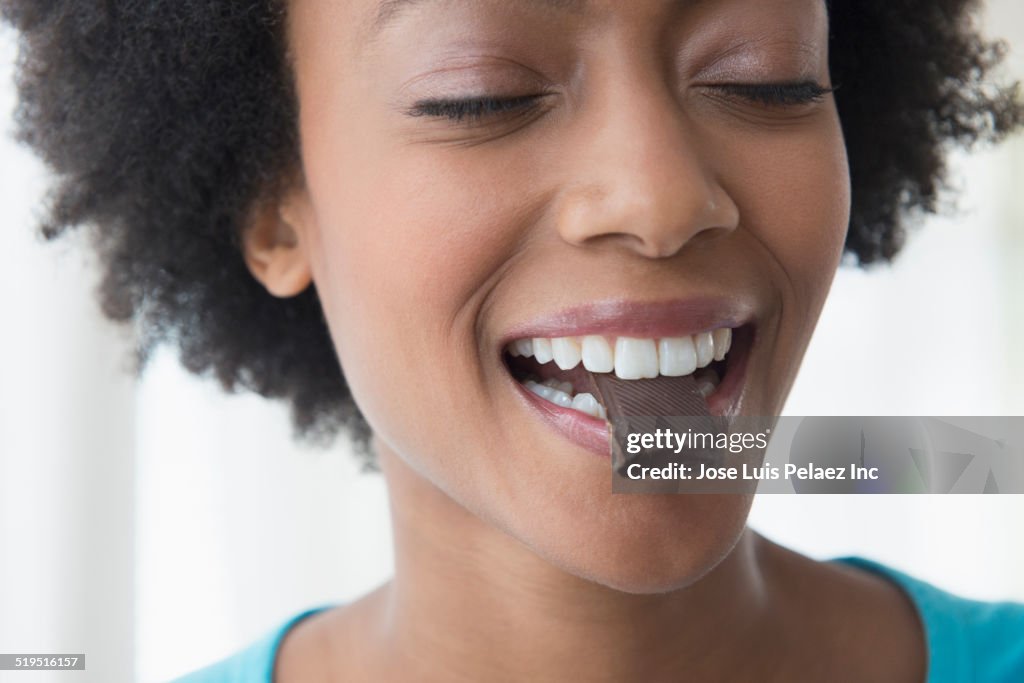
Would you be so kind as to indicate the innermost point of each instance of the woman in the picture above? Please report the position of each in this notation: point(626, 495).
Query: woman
point(455, 202)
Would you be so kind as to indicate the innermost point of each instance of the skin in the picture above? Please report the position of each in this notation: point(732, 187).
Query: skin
point(636, 177)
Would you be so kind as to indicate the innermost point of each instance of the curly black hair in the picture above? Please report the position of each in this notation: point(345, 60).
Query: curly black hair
point(165, 123)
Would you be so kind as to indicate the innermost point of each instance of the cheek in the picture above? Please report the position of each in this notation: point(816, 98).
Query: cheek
point(793, 189)
point(405, 249)
point(796, 194)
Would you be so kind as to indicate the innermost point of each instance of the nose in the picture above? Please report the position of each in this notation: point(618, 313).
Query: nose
point(641, 180)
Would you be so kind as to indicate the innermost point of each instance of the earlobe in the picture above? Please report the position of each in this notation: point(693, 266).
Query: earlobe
point(274, 247)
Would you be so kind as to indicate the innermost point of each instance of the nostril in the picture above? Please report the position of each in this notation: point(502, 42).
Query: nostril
point(654, 247)
point(632, 242)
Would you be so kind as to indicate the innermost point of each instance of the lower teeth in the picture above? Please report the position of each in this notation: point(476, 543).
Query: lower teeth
point(561, 393)
point(707, 381)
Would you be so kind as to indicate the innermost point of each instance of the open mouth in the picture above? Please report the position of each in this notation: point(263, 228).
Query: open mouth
point(561, 370)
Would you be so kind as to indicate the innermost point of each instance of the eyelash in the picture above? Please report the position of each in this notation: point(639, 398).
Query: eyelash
point(477, 108)
point(474, 108)
point(778, 94)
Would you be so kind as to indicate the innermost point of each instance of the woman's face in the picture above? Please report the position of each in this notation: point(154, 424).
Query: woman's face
point(482, 172)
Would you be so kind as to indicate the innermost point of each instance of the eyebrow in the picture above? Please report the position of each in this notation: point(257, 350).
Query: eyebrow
point(389, 10)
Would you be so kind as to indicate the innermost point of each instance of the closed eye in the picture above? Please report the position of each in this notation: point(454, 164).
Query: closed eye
point(473, 108)
point(776, 94)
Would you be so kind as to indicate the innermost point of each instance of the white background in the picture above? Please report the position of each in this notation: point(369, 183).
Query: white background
point(160, 525)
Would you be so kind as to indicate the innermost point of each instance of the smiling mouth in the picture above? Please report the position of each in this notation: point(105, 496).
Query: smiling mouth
point(561, 370)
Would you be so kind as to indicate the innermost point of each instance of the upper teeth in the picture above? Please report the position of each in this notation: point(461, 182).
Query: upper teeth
point(629, 357)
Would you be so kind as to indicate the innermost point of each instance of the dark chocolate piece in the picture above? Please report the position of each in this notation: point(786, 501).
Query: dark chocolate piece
point(645, 406)
point(647, 397)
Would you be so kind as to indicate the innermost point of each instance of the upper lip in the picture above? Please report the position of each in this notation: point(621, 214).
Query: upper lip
point(639, 319)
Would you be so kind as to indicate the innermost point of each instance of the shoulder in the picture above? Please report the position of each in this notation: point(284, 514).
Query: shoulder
point(252, 664)
point(967, 639)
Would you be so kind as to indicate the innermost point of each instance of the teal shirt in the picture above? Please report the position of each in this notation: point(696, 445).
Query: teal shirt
point(968, 641)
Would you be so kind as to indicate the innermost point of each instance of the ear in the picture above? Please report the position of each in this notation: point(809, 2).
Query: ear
point(275, 244)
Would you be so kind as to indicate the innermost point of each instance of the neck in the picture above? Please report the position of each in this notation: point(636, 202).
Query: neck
point(467, 599)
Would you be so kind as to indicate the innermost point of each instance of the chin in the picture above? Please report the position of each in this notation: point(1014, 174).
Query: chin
point(669, 544)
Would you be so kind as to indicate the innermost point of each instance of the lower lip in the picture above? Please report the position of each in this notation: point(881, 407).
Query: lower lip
point(594, 434)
